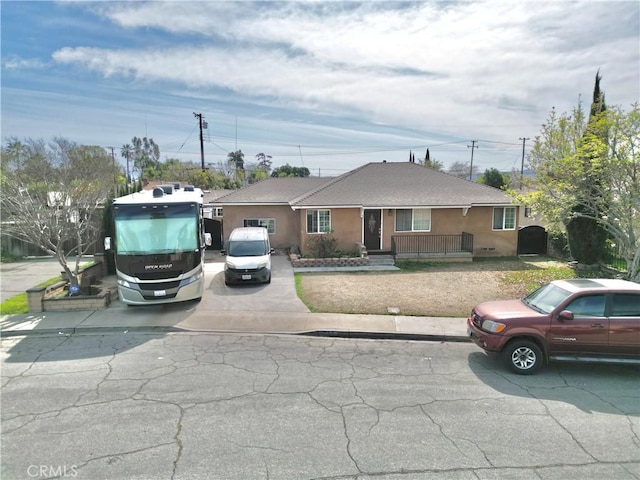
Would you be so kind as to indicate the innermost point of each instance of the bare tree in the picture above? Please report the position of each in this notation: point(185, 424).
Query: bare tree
point(52, 197)
point(461, 169)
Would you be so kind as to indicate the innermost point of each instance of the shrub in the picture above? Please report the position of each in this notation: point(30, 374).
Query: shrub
point(323, 246)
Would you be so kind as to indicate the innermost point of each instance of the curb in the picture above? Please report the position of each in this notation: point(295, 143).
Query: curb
point(348, 334)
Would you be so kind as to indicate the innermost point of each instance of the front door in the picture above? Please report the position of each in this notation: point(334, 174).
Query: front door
point(372, 229)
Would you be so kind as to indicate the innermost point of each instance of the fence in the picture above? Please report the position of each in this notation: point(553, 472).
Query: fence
point(439, 244)
point(612, 258)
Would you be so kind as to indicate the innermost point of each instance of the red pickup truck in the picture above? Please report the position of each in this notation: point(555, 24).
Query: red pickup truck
point(593, 320)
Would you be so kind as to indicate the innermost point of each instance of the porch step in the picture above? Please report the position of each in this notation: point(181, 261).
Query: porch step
point(381, 260)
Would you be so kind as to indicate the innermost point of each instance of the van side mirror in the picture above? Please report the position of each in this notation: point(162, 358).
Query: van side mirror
point(107, 243)
point(565, 315)
point(207, 239)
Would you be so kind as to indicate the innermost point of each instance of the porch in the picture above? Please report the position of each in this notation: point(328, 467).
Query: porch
point(433, 247)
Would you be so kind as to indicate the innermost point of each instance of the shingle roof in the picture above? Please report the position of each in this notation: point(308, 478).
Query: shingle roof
point(385, 185)
point(393, 184)
point(272, 191)
point(211, 196)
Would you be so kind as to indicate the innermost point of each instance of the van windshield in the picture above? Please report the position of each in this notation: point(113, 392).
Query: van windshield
point(247, 248)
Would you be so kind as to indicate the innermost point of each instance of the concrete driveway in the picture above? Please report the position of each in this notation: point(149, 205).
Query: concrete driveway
point(278, 296)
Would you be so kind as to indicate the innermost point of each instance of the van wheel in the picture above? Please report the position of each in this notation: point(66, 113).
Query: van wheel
point(523, 357)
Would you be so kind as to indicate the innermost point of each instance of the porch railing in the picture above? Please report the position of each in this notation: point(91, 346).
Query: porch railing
point(432, 244)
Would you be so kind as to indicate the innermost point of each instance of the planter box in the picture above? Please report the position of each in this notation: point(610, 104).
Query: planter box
point(298, 262)
point(37, 300)
point(100, 301)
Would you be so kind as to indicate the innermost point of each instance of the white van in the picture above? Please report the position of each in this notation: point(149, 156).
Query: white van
point(248, 254)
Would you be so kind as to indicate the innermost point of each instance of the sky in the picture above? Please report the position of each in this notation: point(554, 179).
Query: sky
point(325, 85)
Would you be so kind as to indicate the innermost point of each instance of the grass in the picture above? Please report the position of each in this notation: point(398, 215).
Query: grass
point(15, 305)
point(533, 277)
point(18, 304)
point(297, 278)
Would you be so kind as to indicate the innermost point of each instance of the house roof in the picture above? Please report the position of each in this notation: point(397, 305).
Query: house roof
point(383, 185)
point(272, 191)
point(211, 196)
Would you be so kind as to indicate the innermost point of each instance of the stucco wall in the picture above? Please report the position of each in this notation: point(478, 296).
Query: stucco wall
point(346, 223)
point(450, 221)
point(286, 222)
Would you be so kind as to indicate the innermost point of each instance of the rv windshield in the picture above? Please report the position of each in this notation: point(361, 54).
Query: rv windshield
point(247, 248)
point(142, 230)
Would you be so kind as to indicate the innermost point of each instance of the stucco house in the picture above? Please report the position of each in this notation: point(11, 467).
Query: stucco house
point(403, 208)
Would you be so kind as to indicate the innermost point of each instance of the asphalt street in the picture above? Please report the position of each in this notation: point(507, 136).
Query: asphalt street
point(206, 406)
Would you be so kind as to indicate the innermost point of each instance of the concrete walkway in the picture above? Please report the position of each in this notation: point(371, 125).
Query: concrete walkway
point(264, 309)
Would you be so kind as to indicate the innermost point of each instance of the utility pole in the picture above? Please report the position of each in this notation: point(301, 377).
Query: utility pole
point(524, 139)
point(199, 117)
point(115, 175)
point(473, 146)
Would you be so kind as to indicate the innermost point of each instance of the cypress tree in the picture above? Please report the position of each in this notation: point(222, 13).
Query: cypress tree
point(586, 238)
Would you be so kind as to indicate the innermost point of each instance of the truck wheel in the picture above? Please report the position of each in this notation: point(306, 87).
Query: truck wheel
point(523, 357)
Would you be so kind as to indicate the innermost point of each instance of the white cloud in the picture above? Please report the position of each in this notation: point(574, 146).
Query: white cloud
point(14, 62)
point(461, 69)
point(485, 61)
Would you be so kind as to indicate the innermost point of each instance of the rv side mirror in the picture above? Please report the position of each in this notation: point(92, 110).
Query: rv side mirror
point(107, 243)
point(207, 239)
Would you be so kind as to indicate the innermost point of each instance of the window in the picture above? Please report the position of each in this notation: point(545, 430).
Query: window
point(589, 305)
point(626, 305)
point(413, 220)
point(217, 212)
point(318, 221)
point(504, 218)
point(527, 212)
point(268, 223)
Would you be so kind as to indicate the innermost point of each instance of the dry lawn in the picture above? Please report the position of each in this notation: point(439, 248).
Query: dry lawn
point(439, 290)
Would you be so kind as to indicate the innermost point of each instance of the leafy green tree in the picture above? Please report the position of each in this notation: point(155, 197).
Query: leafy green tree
point(585, 236)
point(56, 207)
point(431, 162)
point(254, 173)
point(289, 171)
point(493, 178)
point(146, 154)
point(264, 163)
point(563, 180)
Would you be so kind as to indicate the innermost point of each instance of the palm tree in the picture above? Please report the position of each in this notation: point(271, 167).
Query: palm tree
point(14, 150)
point(236, 159)
point(127, 152)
